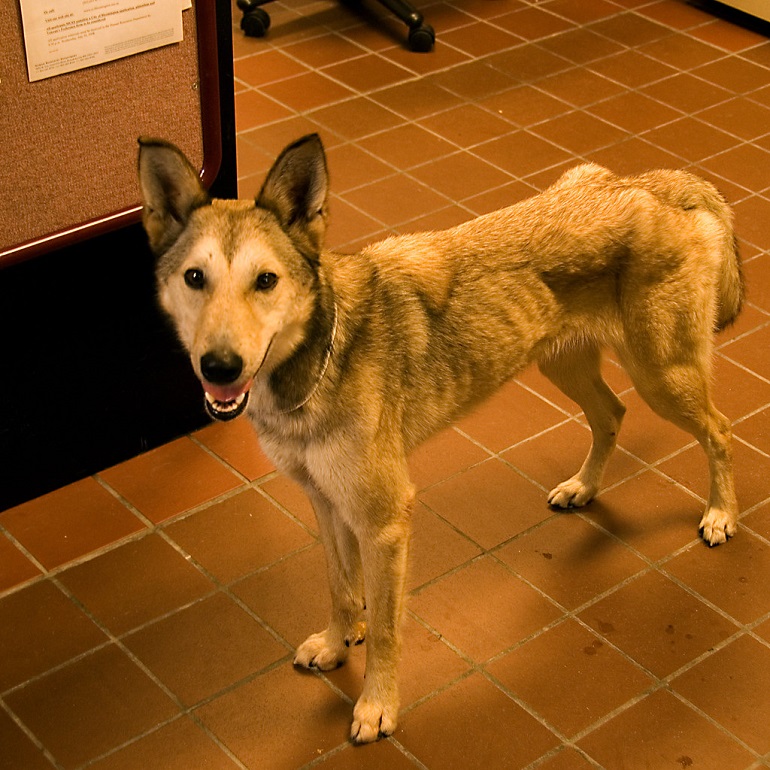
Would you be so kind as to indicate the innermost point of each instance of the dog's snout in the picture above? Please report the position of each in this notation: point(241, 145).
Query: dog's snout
point(221, 367)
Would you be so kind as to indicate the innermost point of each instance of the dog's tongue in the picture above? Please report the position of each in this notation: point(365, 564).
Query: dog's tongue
point(226, 393)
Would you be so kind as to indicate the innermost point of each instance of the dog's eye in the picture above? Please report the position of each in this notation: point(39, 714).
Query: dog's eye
point(266, 281)
point(195, 278)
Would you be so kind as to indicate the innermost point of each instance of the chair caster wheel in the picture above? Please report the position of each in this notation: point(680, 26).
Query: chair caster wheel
point(255, 21)
point(422, 38)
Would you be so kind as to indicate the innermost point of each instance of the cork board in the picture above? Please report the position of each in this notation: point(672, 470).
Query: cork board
point(69, 147)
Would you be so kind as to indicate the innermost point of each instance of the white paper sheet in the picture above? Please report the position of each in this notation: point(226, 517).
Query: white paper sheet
point(65, 35)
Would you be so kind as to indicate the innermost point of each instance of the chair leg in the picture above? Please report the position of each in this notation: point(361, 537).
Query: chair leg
point(421, 35)
point(255, 21)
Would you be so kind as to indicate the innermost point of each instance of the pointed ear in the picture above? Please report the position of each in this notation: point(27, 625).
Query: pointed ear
point(296, 190)
point(171, 190)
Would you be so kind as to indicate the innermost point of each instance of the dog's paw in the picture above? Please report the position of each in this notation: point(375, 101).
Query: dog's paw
point(717, 525)
point(572, 493)
point(317, 651)
point(372, 720)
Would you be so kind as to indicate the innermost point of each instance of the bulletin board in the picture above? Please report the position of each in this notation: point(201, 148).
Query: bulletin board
point(68, 144)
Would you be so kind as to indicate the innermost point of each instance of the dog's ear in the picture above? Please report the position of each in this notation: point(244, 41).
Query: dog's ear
point(296, 190)
point(171, 190)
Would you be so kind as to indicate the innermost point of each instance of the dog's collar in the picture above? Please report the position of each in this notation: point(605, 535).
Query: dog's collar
point(324, 367)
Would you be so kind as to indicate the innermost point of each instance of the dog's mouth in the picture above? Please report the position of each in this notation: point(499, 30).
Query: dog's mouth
point(225, 403)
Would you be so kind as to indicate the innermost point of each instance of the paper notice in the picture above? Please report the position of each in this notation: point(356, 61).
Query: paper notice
point(65, 35)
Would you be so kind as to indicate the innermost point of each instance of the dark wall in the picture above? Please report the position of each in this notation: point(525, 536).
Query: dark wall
point(90, 372)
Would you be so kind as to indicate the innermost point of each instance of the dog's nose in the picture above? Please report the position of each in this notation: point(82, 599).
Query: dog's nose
point(221, 367)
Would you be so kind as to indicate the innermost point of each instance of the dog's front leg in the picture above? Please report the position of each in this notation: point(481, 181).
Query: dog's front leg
point(384, 553)
point(329, 648)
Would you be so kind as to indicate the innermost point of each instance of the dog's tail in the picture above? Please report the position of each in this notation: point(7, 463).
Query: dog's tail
point(690, 192)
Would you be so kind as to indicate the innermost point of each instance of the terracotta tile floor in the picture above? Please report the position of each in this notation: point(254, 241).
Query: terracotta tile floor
point(148, 614)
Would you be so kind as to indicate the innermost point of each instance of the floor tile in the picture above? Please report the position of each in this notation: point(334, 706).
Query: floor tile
point(244, 533)
point(466, 126)
point(580, 87)
point(292, 596)
point(480, 38)
point(367, 73)
point(686, 93)
point(752, 485)
point(646, 435)
point(254, 720)
point(521, 153)
point(396, 199)
point(526, 106)
point(436, 732)
point(681, 51)
point(658, 624)
point(19, 751)
point(435, 548)
point(40, 629)
point(442, 456)
point(509, 416)
point(87, 707)
point(533, 23)
point(569, 677)
point(580, 46)
point(427, 665)
point(171, 479)
point(739, 166)
point(529, 63)
point(350, 167)
point(266, 66)
point(728, 577)
point(382, 756)
point(660, 731)
point(306, 91)
point(70, 522)
point(648, 513)
point(489, 503)
point(735, 74)
point(136, 583)
point(237, 444)
point(632, 69)
point(290, 496)
point(580, 132)
point(634, 112)
point(742, 669)
point(738, 116)
point(406, 146)
point(759, 521)
point(330, 48)
point(570, 560)
point(204, 648)
point(255, 109)
point(179, 745)
point(483, 609)
point(557, 454)
point(15, 567)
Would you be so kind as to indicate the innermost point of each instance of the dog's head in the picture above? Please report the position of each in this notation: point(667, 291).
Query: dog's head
point(238, 278)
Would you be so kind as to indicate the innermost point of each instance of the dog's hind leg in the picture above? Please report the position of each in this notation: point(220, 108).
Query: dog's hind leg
point(681, 394)
point(329, 648)
point(577, 373)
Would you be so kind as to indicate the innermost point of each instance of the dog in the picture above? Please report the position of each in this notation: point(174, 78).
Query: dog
point(346, 362)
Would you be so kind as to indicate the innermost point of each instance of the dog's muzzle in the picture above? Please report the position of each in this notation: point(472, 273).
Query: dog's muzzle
point(221, 369)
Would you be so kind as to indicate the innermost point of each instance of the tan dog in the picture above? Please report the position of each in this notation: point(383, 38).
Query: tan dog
point(347, 362)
